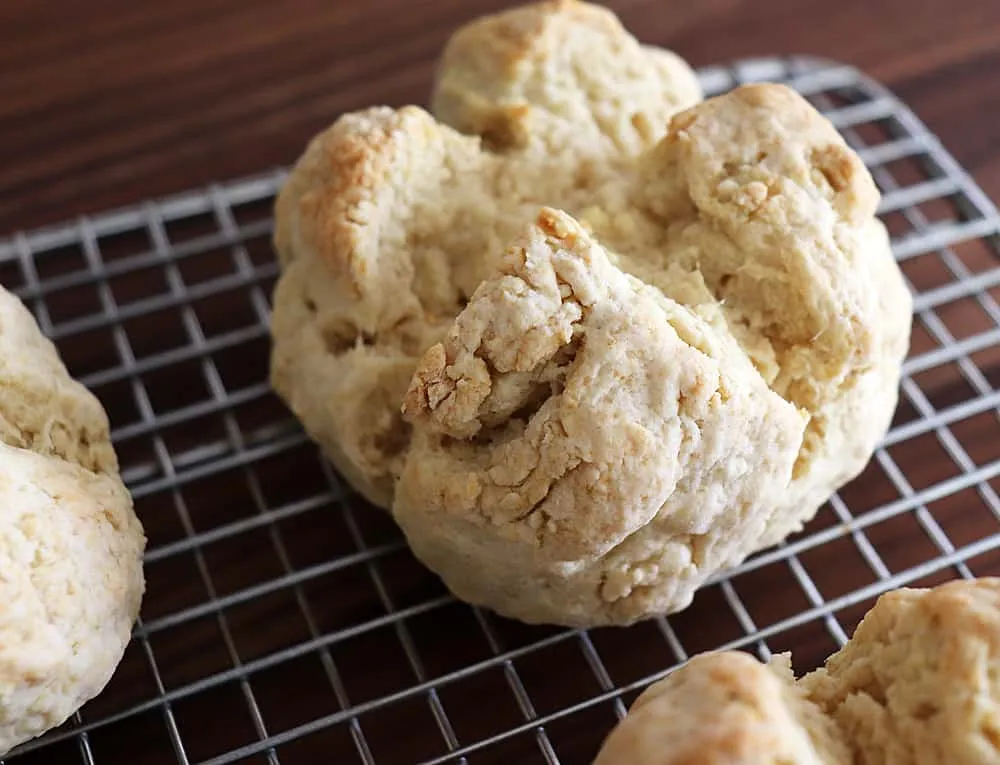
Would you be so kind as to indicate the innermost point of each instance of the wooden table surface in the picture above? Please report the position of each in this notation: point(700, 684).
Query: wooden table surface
point(108, 102)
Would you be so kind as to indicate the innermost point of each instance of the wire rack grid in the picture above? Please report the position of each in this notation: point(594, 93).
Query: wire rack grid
point(285, 621)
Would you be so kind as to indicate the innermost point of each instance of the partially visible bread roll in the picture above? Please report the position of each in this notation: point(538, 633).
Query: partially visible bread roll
point(737, 236)
point(562, 77)
point(71, 547)
point(917, 684)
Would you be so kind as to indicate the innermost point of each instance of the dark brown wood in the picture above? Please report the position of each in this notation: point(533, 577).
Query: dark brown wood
point(110, 101)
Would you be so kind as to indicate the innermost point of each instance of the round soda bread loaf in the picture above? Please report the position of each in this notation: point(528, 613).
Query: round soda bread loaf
point(391, 218)
point(71, 546)
point(917, 684)
point(606, 342)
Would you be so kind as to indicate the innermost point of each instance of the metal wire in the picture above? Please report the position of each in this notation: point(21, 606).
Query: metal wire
point(285, 621)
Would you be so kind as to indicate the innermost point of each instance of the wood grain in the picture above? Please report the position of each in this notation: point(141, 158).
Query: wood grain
point(108, 102)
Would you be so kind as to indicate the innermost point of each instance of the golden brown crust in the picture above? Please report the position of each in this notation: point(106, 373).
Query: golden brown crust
point(339, 200)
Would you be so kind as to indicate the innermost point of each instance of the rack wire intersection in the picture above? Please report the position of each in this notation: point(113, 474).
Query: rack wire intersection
point(285, 621)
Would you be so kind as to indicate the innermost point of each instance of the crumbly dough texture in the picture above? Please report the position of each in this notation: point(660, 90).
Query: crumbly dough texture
point(71, 546)
point(638, 335)
point(917, 684)
point(591, 444)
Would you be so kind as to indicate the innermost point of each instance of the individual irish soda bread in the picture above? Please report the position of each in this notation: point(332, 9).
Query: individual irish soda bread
point(917, 684)
point(606, 342)
point(70, 545)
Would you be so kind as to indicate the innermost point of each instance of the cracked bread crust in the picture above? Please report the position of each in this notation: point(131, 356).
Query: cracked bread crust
point(586, 450)
point(917, 684)
point(747, 210)
point(71, 546)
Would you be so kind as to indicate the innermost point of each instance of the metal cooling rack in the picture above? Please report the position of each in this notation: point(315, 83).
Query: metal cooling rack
point(285, 622)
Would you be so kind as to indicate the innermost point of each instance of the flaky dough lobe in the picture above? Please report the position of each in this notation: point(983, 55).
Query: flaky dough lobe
point(70, 545)
point(562, 76)
point(592, 445)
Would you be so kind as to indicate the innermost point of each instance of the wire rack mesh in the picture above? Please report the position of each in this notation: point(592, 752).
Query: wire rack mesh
point(285, 621)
